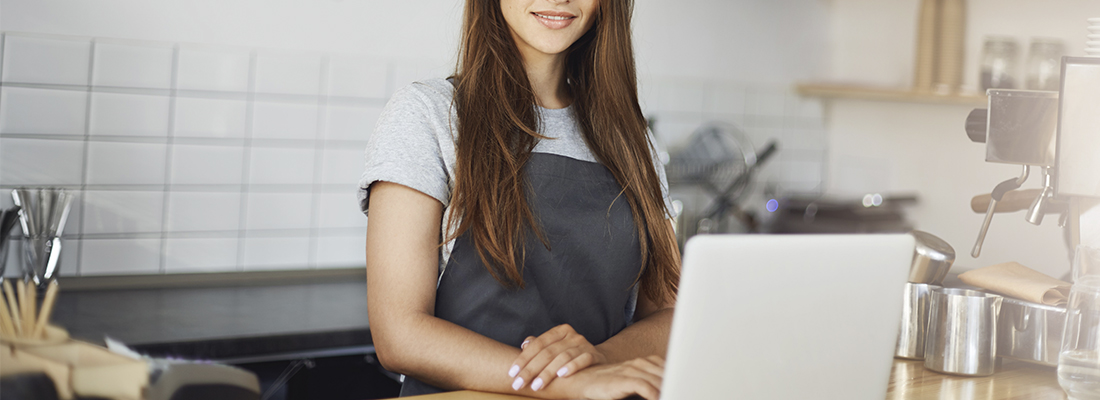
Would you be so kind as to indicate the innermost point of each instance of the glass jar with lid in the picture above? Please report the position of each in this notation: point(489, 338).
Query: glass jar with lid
point(1000, 56)
point(1044, 64)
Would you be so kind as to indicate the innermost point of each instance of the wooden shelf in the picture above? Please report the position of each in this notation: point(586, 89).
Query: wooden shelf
point(843, 91)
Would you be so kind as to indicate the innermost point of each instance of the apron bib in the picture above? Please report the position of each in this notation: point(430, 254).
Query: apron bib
point(586, 279)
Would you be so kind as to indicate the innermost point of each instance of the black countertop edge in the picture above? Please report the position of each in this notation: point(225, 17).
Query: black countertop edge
point(239, 348)
point(210, 279)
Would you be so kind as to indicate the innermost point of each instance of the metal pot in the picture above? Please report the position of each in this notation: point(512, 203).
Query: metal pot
point(932, 258)
point(962, 335)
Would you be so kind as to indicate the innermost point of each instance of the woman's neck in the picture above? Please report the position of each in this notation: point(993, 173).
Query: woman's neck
point(547, 75)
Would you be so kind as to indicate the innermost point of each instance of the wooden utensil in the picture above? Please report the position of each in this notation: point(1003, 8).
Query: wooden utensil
point(7, 327)
point(13, 307)
point(32, 303)
point(21, 294)
point(47, 309)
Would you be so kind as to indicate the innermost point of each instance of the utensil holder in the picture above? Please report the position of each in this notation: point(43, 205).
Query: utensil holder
point(41, 259)
point(914, 321)
point(962, 332)
point(42, 216)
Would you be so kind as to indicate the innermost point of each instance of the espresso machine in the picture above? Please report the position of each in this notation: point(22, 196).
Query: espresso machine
point(1055, 135)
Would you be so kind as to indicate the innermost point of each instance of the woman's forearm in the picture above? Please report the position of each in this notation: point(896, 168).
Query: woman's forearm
point(648, 336)
point(451, 357)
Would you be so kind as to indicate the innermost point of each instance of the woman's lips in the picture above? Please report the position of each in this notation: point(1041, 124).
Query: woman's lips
point(554, 19)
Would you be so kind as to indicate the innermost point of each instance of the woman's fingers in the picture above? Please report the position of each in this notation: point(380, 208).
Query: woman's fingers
point(532, 346)
point(582, 361)
point(540, 362)
point(640, 376)
point(524, 357)
point(652, 365)
point(557, 367)
point(647, 371)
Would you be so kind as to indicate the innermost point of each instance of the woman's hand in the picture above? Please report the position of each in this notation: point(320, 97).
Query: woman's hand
point(640, 376)
point(559, 352)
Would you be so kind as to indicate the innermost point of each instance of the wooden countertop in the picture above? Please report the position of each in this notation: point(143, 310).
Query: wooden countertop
point(1013, 380)
point(910, 381)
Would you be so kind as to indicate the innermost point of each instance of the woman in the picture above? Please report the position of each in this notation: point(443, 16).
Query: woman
point(532, 165)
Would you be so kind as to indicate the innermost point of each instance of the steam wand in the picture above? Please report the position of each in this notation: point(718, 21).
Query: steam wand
point(998, 194)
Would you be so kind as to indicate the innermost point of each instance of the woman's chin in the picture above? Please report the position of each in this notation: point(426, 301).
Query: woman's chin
point(552, 47)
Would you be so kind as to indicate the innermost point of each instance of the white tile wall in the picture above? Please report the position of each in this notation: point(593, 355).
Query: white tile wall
point(112, 163)
point(133, 65)
point(120, 256)
point(30, 59)
point(163, 187)
point(681, 96)
point(726, 99)
point(357, 77)
point(207, 164)
point(766, 102)
point(342, 166)
point(69, 262)
point(281, 166)
point(284, 121)
point(203, 211)
point(218, 118)
point(348, 251)
point(129, 114)
point(208, 68)
point(122, 211)
point(351, 122)
point(338, 212)
point(40, 162)
point(278, 211)
point(42, 111)
point(275, 253)
point(201, 255)
point(284, 72)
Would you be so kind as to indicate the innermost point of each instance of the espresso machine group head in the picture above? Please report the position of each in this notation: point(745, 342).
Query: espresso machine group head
point(1057, 132)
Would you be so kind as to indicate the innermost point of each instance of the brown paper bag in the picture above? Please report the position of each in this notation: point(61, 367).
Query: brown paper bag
point(1015, 280)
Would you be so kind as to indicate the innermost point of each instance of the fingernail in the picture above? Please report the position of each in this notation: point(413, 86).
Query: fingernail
point(524, 344)
point(563, 371)
point(536, 384)
point(513, 371)
point(518, 383)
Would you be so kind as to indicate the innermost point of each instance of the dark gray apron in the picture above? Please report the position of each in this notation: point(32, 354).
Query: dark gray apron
point(586, 279)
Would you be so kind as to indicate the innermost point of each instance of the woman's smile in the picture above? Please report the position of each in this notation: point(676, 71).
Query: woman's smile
point(548, 27)
point(554, 19)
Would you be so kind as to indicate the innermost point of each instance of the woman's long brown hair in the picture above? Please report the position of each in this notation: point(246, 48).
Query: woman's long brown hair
point(497, 123)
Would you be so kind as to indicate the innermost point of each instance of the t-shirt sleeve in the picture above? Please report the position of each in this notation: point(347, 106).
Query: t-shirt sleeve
point(404, 148)
point(659, 165)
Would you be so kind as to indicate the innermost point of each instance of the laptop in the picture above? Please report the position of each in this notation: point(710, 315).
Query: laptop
point(787, 317)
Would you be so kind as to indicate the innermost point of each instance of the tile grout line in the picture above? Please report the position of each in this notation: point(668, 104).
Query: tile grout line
point(85, 160)
point(168, 147)
point(246, 158)
point(198, 141)
point(318, 164)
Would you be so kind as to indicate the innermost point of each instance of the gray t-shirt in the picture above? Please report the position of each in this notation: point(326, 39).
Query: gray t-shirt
point(414, 145)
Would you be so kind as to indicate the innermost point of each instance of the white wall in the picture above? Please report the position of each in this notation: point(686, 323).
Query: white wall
point(873, 42)
point(772, 42)
point(765, 42)
point(698, 60)
point(922, 148)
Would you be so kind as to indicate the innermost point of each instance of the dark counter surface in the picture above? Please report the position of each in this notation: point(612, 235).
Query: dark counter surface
point(219, 323)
